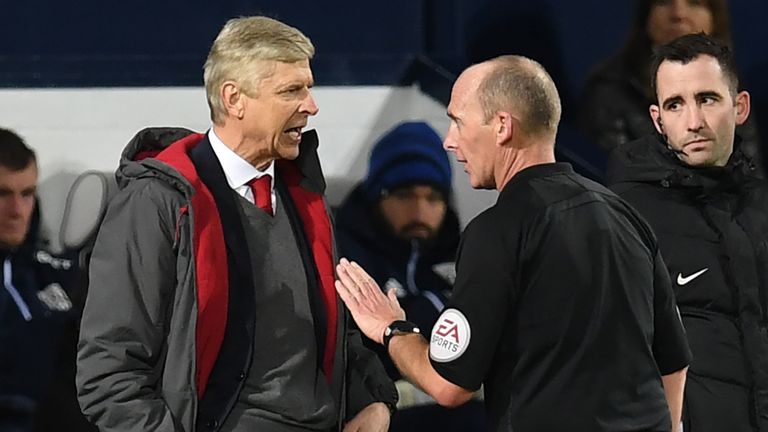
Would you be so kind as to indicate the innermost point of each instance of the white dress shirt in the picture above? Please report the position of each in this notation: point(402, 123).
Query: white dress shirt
point(238, 171)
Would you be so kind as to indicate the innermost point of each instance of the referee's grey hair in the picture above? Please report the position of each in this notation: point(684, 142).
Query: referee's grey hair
point(520, 84)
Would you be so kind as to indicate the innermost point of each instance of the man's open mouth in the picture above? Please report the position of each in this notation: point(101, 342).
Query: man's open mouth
point(294, 132)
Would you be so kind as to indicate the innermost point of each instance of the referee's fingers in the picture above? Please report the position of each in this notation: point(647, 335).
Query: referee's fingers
point(347, 282)
point(343, 274)
point(353, 277)
point(365, 281)
point(346, 296)
point(355, 285)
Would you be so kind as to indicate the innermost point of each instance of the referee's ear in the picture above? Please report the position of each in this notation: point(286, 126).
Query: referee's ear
point(504, 125)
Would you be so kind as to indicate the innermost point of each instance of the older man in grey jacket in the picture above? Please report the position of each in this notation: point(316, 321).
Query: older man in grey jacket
point(211, 304)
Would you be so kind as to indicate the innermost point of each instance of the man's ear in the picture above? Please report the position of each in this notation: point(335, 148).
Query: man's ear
point(743, 106)
point(504, 127)
point(655, 113)
point(232, 98)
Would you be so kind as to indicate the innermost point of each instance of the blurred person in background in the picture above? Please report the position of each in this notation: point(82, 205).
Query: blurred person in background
point(35, 305)
point(615, 101)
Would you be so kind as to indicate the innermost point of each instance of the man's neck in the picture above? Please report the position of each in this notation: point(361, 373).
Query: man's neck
point(514, 160)
point(256, 155)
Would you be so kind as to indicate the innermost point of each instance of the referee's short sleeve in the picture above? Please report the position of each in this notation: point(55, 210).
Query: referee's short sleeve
point(670, 344)
point(465, 336)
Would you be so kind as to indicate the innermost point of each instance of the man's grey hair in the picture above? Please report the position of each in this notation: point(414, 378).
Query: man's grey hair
point(239, 48)
point(522, 85)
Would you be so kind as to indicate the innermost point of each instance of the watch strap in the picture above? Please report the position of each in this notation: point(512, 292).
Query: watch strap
point(399, 327)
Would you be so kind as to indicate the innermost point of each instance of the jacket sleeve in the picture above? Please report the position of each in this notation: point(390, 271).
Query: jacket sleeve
point(367, 381)
point(132, 275)
point(670, 344)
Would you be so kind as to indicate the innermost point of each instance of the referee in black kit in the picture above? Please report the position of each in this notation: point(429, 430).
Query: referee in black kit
point(562, 306)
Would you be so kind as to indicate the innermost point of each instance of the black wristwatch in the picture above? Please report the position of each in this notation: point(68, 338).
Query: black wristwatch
point(399, 328)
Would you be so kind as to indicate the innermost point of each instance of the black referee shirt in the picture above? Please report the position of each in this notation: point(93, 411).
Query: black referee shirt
point(563, 309)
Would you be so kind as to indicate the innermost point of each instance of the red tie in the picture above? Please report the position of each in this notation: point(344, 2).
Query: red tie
point(262, 192)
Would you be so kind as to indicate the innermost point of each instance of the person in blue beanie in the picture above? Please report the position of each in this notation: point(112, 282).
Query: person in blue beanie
point(400, 225)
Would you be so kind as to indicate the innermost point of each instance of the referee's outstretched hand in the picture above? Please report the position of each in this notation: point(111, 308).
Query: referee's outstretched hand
point(372, 310)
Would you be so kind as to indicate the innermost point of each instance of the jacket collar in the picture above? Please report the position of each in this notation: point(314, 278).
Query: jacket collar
point(651, 160)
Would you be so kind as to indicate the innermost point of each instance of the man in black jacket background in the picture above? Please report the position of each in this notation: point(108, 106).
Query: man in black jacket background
point(702, 196)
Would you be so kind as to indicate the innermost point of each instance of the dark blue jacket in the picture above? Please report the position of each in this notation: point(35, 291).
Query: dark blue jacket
point(422, 272)
point(35, 309)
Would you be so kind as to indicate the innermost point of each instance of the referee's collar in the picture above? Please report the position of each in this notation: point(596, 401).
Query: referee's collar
point(537, 171)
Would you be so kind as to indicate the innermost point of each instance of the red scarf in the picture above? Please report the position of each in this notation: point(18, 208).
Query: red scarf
point(211, 257)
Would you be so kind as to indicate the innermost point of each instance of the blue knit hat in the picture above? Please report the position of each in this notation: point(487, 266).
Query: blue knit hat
point(411, 153)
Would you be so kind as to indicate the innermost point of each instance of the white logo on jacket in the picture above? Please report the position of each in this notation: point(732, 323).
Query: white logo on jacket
point(450, 336)
point(682, 280)
point(55, 298)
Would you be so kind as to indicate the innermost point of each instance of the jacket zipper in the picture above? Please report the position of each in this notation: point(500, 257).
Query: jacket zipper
point(15, 295)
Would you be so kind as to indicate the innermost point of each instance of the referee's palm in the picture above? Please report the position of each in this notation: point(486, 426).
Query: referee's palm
point(371, 309)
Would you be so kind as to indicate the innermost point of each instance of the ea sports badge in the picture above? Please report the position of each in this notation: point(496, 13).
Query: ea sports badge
point(450, 336)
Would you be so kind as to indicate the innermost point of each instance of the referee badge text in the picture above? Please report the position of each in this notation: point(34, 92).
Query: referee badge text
point(450, 336)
